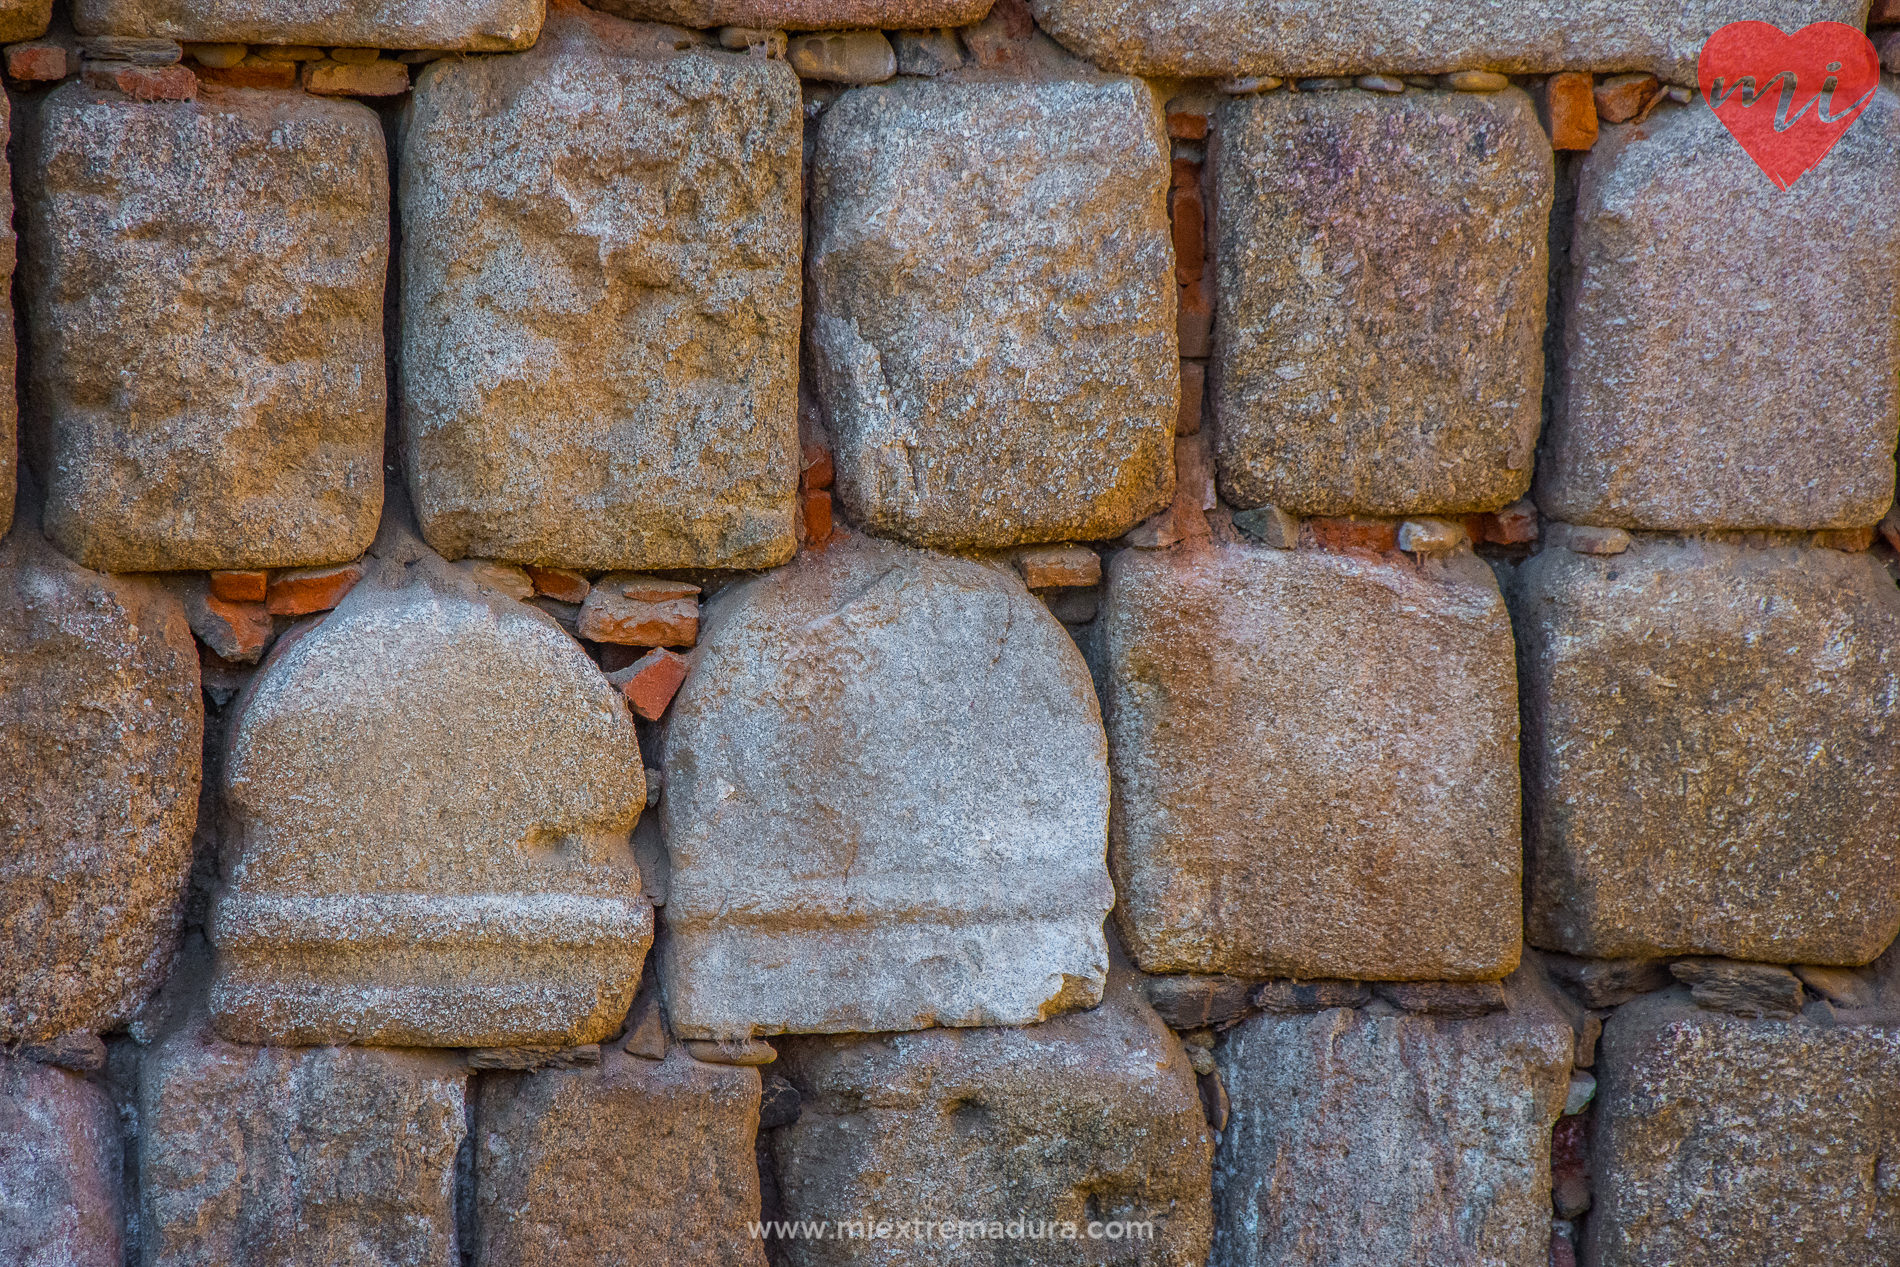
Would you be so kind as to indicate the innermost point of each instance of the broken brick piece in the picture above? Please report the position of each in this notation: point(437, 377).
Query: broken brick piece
point(1568, 104)
point(1190, 233)
point(1184, 126)
point(252, 72)
point(301, 591)
point(817, 512)
point(816, 466)
point(1351, 533)
point(1514, 525)
point(650, 682)
point(1053, 566)
point(142, 83)
point(1193, 389)
point(1621, 98)
point(240, 587)
point(36, 62)
point(641, 611)
point(563, 584)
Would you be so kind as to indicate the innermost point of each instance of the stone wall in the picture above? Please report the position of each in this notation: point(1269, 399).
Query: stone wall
point(1245, 632)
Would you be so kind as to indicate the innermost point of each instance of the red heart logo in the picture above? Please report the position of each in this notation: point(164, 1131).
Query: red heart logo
point(1788, 98)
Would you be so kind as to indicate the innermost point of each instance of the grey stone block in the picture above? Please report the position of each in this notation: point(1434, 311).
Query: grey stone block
point(1382, 269)
point(1711, 759)
point(991, 293)
point(1731, 350)
point(600, 301)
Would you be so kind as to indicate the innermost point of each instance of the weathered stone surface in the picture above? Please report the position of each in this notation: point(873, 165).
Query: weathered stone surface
point(458, 25)
point(599, 368)
point(886, 803)
point(432, 792)
point(991, 292)
point(1383, 263)
point(1721, 1140)
point(803, 15)
point(9, 404)
point(60, 1170)
point(1773, 400)
point(101, 725)
point(843, 57)
point(24, 19)
point(634, 1161)
point(1746, 989)
point(1361, 1140)
point(1711, 763)
point(1086, 1119)
point(250, 1156)
point(204, 283)
point(1224, 38)
point(1315, 761)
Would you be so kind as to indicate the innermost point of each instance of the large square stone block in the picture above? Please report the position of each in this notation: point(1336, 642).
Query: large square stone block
point(634, 1161)
point(430, 796)
point(1315, 764)
point(600, 301)
point(101, 737)
point(1772, 398)
point(1363, 1138)
point(886, 804)
point(1079, 1141)
point(1712, 751)
point(1382, 264)
point(1723, 1140)
point(204, 291)
point(276, 1156)
point(991, 314)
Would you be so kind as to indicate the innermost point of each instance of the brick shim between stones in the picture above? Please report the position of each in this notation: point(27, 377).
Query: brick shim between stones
point(1239, 633)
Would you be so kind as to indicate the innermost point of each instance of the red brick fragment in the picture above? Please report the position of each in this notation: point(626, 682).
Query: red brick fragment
point(1190, 233)
point(37, 62)
point(1562, 1252)
point(817, 512)
point(1570, 111)
point(641, 611)
point(1351, 533)
point(1621, 98)
point(246, 628)
point(240, 587)
point(650, 682)
point(301, 591)
point(1193, 389)
point(142, 83)
point(1514, 525)
point(1052, 567)
point(816, 468)
point(1185, 126)
point(562, 584)
point(1884, 11)
point(1194, 321)
point(252, 72)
